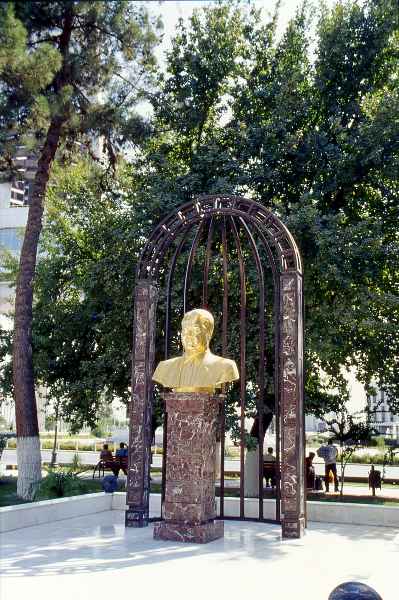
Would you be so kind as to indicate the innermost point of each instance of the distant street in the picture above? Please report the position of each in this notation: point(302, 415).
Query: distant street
point(91, 458)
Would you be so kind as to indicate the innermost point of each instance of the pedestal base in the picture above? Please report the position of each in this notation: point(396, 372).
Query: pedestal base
point(293, 529)
point(197, 534)
point(135, 518)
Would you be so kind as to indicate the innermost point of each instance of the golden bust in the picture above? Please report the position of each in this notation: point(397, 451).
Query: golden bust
point(198, 370)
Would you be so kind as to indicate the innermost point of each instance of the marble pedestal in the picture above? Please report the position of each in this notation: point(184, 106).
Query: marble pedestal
point(189, 510)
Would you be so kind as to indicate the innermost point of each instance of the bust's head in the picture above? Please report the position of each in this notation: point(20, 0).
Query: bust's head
point(196, 330)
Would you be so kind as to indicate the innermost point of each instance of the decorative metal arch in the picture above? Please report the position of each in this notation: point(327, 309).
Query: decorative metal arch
point(252, 220)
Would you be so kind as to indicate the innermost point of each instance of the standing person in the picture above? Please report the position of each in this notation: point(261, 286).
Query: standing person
point(309, 470)
point(269, 467)
point(329, 453)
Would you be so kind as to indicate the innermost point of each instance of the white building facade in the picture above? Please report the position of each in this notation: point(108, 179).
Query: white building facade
point(384, 421)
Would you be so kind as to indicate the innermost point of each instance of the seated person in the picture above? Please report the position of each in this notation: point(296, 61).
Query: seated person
point(121, 458)
point(107, 458)
point(122, 450)
point(309, 471)
point(269, 467)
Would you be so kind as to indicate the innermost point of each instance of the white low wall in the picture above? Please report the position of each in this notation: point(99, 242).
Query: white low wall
point(353, 514)
point(47, 511)
point(321, 512)
point(119, 503)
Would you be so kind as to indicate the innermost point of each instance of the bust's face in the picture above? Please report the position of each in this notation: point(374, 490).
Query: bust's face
point(193, 336)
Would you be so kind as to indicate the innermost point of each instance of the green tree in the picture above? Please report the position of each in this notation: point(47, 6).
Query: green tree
point(275, 124)
point(84, 285)
point(70, 71)
point(316, 141)
point(319, 145)
point(351, 430)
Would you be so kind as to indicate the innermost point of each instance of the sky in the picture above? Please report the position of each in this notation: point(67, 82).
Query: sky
point(171, 11)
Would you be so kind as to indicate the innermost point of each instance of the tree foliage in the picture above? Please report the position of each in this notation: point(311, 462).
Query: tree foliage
point(310, 132)
point(92, 75)
point(81, 51)
point(83, 314)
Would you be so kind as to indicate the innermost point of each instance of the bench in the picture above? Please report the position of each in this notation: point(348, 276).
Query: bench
point(118, 463)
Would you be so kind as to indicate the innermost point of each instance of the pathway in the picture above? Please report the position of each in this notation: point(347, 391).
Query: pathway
point(96, 557)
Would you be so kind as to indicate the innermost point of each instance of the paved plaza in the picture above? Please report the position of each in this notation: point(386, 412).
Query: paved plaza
point(95, 557)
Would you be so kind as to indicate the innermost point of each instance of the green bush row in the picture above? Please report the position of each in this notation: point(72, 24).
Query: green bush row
point(65, 445)
point(373, 459)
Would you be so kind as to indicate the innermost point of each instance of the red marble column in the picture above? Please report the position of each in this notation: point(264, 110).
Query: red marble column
point(190, 508)
point(291, 407)
point(138, 479)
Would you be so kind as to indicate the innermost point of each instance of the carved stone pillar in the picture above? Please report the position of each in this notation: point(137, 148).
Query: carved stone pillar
point(291, 403)
point(138, 479)
point(190, 509)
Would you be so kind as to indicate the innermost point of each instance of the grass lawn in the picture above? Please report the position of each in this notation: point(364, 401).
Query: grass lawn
point(8, 491)
point(8, 494)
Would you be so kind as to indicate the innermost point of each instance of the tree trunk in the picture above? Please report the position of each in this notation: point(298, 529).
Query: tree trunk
point(28, 444)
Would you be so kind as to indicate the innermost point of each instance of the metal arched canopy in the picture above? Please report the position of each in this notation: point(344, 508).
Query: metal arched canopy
point(191, 213)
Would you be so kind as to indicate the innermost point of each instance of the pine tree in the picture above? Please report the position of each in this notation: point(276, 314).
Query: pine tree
point(71, 72)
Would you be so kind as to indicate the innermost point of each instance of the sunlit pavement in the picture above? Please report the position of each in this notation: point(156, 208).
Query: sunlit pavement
point(95, 557)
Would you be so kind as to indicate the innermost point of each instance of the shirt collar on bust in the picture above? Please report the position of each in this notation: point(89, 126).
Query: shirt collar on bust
point(194, 358)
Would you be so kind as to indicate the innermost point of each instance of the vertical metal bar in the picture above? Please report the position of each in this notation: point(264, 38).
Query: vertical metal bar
point(169, 282)
point(189, 267)
point(243, 301)
point(276, 282)
point(261, 369)
point(206, 264)
point(225, 353)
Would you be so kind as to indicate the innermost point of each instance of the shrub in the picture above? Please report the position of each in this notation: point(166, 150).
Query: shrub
point(231, 452)
point(380, 442)
point(64, 481)
point(101, 431)
point(60, 483)
point(85, 447)
point(372, 459)
point(47, 445)
point(65, 445)
point(315, 440)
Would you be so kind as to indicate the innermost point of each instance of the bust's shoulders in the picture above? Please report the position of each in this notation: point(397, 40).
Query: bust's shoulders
point(227, 368)
point(221, 360)
point(170, 361)
point(165, 370)
point(165, 365)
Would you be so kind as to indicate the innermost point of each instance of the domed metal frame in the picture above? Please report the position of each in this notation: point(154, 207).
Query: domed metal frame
point(232, 214)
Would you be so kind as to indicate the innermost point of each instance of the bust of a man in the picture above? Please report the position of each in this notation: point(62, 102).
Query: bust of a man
point(198, 370)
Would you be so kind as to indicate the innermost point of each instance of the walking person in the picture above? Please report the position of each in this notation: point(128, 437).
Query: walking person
point(329, 453)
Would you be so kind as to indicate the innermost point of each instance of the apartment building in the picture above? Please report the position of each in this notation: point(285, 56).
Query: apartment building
point(383, 419)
